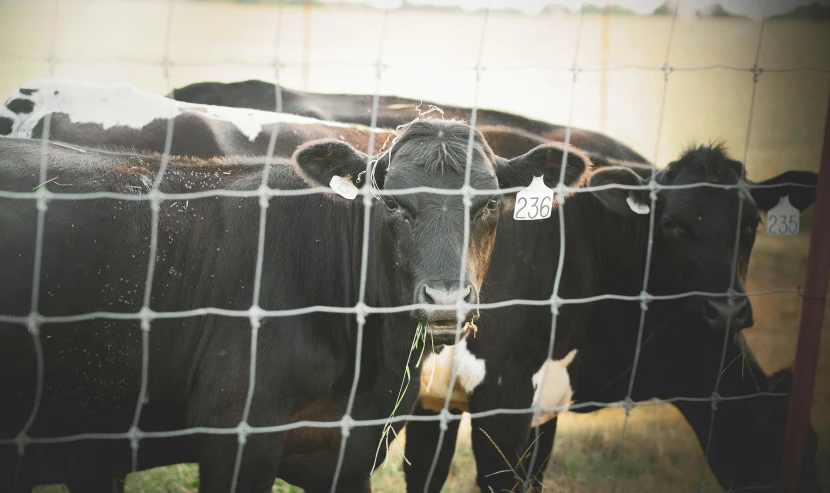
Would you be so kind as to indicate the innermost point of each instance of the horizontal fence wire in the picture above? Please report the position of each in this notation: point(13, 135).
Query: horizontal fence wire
point(393, 65)
point(354, 423)
point(42, 195)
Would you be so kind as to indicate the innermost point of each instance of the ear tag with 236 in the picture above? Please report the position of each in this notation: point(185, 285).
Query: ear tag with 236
point(783, 219)
point(534, 202)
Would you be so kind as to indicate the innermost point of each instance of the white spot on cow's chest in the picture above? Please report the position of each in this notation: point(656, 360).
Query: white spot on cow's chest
point(125, 105)
point(553, 387)
point(436, 374)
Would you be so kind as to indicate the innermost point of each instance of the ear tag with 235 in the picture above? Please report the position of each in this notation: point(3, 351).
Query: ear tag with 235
point(783, 219)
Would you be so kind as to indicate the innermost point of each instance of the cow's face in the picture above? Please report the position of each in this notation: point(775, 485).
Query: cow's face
point(421, 235)
point(695, 229)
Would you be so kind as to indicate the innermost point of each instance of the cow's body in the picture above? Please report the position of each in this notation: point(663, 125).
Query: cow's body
point(95, 258)
point(392, 111)
point(747, 434)
point(123, 116)
point(605, 254)
point(198, 366)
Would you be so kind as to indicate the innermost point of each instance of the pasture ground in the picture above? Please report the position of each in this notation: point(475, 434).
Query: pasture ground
point(527, 59)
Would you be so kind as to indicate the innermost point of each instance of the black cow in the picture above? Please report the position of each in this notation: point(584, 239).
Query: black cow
point(392, 111)
point(605, 249)
point(747, 433)
point(94, 260)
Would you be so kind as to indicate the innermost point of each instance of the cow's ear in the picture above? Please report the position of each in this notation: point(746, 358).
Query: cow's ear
point(544, 160)
point(620, 200)
point(801, 197)
point(319, 161)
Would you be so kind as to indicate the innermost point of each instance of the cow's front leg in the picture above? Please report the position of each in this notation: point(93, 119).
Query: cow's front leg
point(261, 455)
point(500, 440)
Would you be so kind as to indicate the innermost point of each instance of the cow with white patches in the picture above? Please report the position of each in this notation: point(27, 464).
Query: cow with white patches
point(605, 243)
point(122, 116)
point(94, 257)
point(747, 434)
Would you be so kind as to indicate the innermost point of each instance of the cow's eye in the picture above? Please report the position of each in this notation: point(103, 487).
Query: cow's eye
point(492, 204)
point(391, 205)
point(753, 225)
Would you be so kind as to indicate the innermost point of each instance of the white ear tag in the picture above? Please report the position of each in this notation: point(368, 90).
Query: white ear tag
point(344, 187)
point(534, 202)
point(783, 219)
point(636, 207)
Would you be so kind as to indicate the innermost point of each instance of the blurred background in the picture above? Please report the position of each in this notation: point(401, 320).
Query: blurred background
point(625, 67)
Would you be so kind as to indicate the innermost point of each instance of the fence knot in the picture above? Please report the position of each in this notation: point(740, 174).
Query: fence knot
point(645, 299)
point(366, 190)
point(43, 199)
point(134, 434)
point(628, 405)
point(361, 310)
point(21, 440)
point(146, 316)
point(155, 197)
point(667, 69)
point(716, 399)
point(264, 195)
point(242, 432)
point(756, 71)
point(444, 418)
point(33, 324)
point(255, 314)
point(467, 193)
point(555, 303)
point(346, 425)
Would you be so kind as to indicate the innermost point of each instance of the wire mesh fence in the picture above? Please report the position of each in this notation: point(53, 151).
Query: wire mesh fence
point(256, 313)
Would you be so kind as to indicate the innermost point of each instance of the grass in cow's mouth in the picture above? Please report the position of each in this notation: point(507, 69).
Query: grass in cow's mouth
point(420, 338)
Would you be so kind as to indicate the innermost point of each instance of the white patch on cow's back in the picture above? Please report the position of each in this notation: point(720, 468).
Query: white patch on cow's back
point(436, 373)
point(552, 386)
point(125, 105)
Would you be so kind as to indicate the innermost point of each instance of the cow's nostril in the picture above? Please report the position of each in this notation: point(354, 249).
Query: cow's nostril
point(428, 298)
point(469, 296)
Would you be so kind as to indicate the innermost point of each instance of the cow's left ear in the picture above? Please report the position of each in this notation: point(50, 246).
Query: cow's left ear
point(801, 197)
point(318, 161)
point(544, 160)
point(620, 200)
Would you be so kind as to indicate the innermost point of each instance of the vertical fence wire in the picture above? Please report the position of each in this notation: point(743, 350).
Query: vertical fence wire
point(555, 301)
point(347, 422)
point(743, 194)
point(256, 312)
point(33, 322)
point(467, 194)
point(645, 297)
point(134, 434)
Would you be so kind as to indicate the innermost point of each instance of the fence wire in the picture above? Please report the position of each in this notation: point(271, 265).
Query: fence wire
point(34, 320)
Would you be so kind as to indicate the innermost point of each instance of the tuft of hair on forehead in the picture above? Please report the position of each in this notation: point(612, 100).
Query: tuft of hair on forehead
point(711, 161)
point(438, 144)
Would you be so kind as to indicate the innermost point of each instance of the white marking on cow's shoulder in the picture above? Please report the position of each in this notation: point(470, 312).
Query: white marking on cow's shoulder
point(470, 374)
point(125, 105)
point(635, 206)
point(553, 387)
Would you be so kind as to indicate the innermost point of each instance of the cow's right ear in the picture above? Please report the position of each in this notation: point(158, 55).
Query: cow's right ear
point(620, 200)
point(331, 163)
